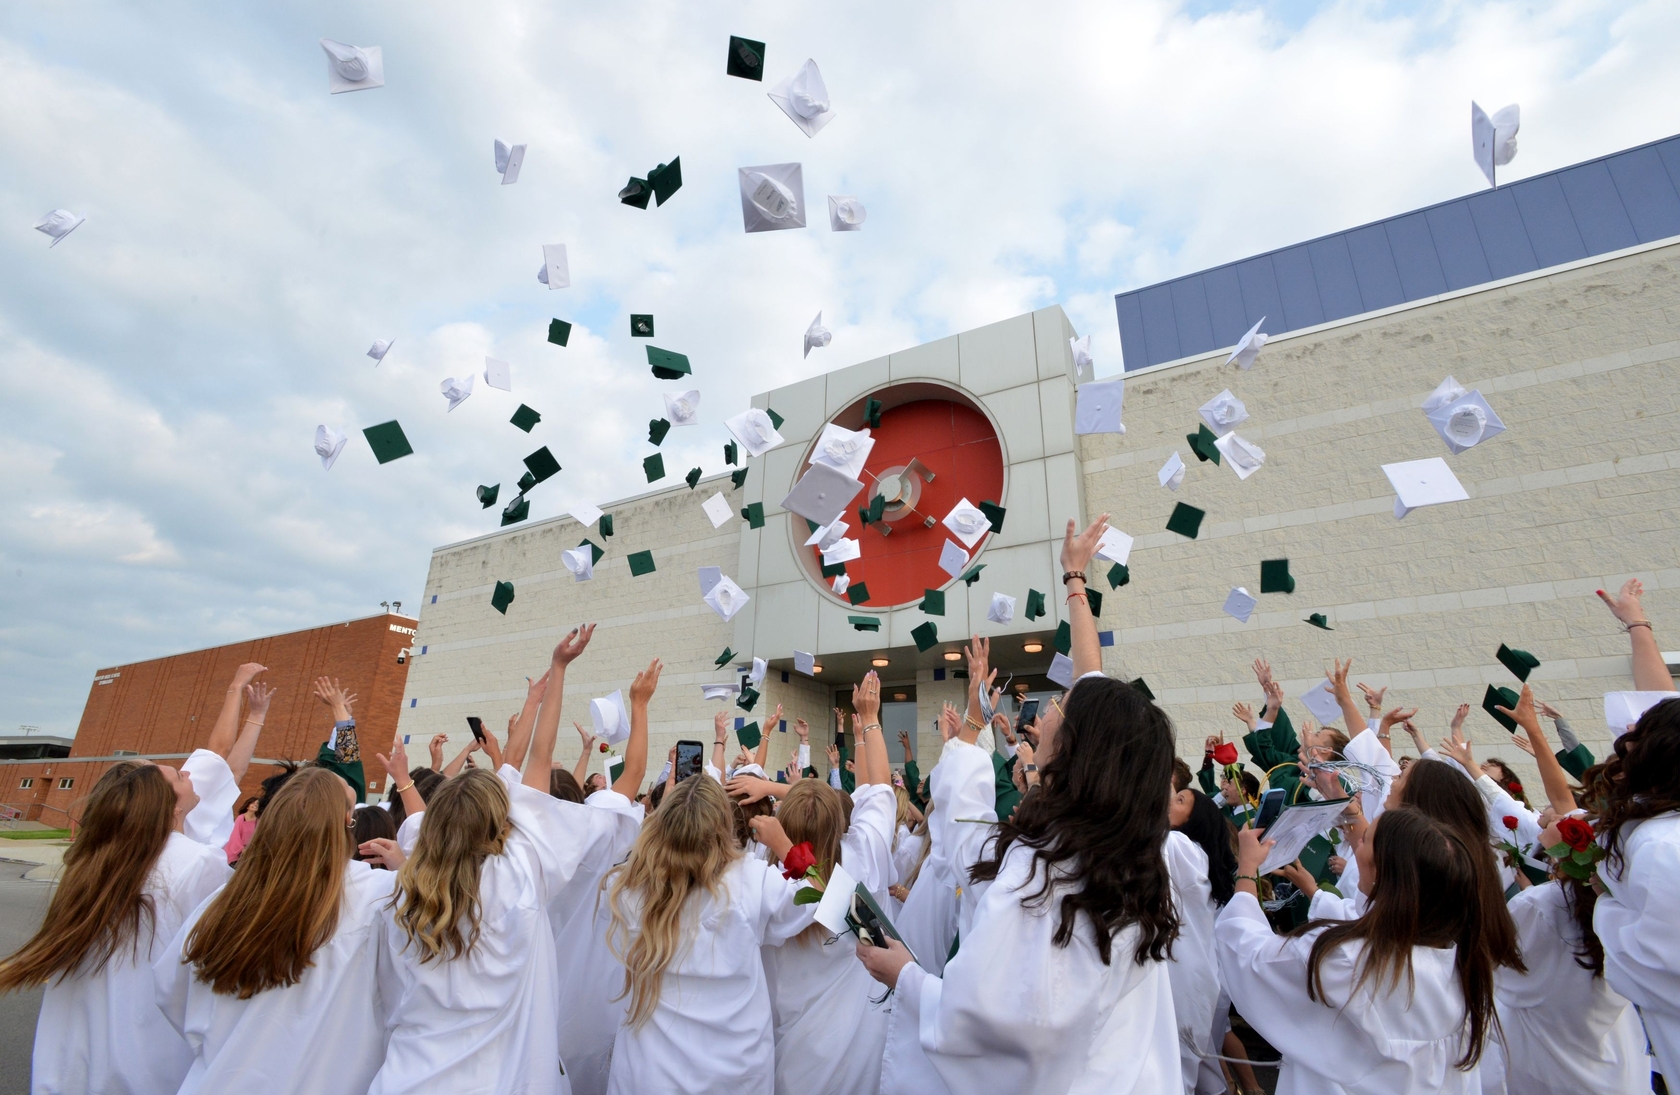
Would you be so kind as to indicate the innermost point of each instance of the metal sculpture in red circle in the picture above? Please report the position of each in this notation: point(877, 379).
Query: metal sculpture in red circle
point(957, 455)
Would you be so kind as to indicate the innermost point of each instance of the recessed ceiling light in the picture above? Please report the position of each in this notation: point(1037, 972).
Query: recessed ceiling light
point(901, 695)
point(953, 655)
point(816, 668)
point(1033, 647)
point(879, 663)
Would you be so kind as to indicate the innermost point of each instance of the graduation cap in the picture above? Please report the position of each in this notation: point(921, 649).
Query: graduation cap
point(926, 635)
point(328, 444)
point(749, 735)
point(1002, 608)
point(1094, 599)
point(635, 193)
point(1318, 620)
point(748, 697)
point(487, 495)
point(353, 68)
point(864, 623)
point(541, 464)
point(501, 597)
point(1185, 520)
point(1143, 687)
point(692, 477)
point(1063, 642)
point(657, 429)
point(1203, 443)
point(1035, 604)
point(858, 593)
point(559, 331)
point(525, 418)
point(666, 179)
point(1520, 662)
point(833, 571)
point(667, 365)
point(746, 58)
point(654, 466)
point(526, 482)
point(874, 511)
point(725, 658)
point(1501, 697)
point(606, 524)
point(872, 413)
point(972, 574)
point(516, 510)
point(1275, 577)
point(753, 515)
point(1118, 575)
point(731, 453)
point(641, 562)
point(738, 478)
point(508, 161)
point(994, 513)
point(387, 441)
point(776, 420)
point(58, 224)
point(641, 326)
point(803, 97)
point(933, 602)
point(595, 550)
point(772, 197)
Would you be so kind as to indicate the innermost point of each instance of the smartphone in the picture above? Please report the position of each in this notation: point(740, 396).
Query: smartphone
point(690, 758)
point(1271, 805)
point(1029, 712)
point(476, 725)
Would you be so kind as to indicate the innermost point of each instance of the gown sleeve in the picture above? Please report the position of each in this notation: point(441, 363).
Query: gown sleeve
point(867, 845)
point(1638, 921)
point(557, 836)
point(211, 821)
point(779, 918)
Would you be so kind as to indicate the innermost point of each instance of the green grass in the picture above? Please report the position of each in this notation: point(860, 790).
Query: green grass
point(34, 834)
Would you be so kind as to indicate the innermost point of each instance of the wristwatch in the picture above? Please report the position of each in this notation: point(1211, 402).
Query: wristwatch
point(1030, 768)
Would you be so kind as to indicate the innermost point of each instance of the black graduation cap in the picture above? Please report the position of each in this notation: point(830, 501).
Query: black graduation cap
point(1202, 444)
point(516, 510)
point(487, 495)
point(657, 429)
point(692, 477)
point(737, 478)
point(833, 571)
point(668, 364)
point(1094, 599)
point(559, 331)
point(1520, 662)
point(1501, 697)
point(541, 464)
point(1275, 577)
point(776, 420)
point(994, 513)
point(972, 574)
point(641, 562)
point(731, 454)
point(1118, 575)
point(864, 623)
point(526, 482)
point(858, 593)
point(872, 413)
point(595, 550)
point(926, 636)
point(748, 697)
point(746, 58)
point(666, 179)
point(933, 602)
point(1063, 642)
point(749, 735)
point(724, 658)
point(501, 597)
point(641, 326)
point(654, 466)
point(1185, 520)
point(753, 515)
point(1319, 620)
point(525, 418)
point(606, 524)
point(387, 441)
point(636, 193)
point(1035, 604)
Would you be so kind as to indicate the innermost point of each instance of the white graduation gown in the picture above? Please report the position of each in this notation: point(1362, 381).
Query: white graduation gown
point(711, 1030)
point(102, 1032)
point(1193, 970)
point(1365, 748)
point(906, 854)
point(486, 1023)
point(829, 1032)
point(324, 1035)
point(1566, 1031)
point(1376, 1043)
point(1016, 1013)
point(1638, 922)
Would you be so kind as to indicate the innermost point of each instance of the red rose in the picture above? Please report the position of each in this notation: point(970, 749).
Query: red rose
point(800, 859)
point(1225, 753)
point(603, 747)
point(1576, 833)
point(1510, 822)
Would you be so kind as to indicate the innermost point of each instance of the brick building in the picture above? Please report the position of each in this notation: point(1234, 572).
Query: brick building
point(162, 709)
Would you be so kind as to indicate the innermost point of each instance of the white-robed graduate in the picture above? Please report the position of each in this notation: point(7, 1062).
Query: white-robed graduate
point(274, 982)
point(1200, 890)
point(147, 852)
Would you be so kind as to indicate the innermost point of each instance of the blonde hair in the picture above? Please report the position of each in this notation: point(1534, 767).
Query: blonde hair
point(685, 847)
point(812, 811)
point(263, 929)
point(903, 818)
point(466, 822)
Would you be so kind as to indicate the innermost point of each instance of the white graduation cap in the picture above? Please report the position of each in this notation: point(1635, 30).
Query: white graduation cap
point(967, 523)
point(842, 449)
point(1467, 421)
point(804, 663)
point(1423, 483)
point(754, 430)
point(709, 577)
point(718, 691)
point(817, 335)
point(953, 560)
point(1061, 670)
point(1493, 141)
point(842, 582)
point(1245, 457)
point(1248, 347)
point(772, 197)
point(844, 551)
point(1447, 391)
point(821, 494)
point(610, 719)
point(836, 900)
point(456, 389)
point(804, 98)
point(828, 535)
point(586, 514)
point(1321, 703)
point(1239, 603)
point(580, 561)
point(380, 347)
point(1623, 709)
point(1002, 610)
point(1084, 366)
point(684, 409)
point(1224, 413)
point(759, 668)
point(498, 374)
point(1115, 546)
point(1097, 406)
point(717, 509)
point(845, 213)
point(328, 444)
point(555, 273)
point(1172, 472)
point(353, 68)
point(509, 161)
point(58, 224)
point(726, 598)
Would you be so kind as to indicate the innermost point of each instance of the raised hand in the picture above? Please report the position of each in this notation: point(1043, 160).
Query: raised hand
point(1244, 714)
point(1077, 550)
point(1625, 606)
point(1212, 742)
point(776, 719)
point(436, 747)
point(568, 649)
point(1338, 680)
point(1458, 748)
point(979, 652)
point(743, 758)
point(720, 726)
point(1373, 696)
point(396, 762)
point(1274, 697)
point(1459, 716)
point(1548, 710)
point(950, 721)
point(383, 851)
point(803, 729)
point(833, 756)
point(329, 692)
point(257, 699)
point(747, 789)
point(642, 688)
point(534, 690)
point(1263, 672)
point(1399, 714)
point(866, 698)
point(588, 739)
point(246, 673)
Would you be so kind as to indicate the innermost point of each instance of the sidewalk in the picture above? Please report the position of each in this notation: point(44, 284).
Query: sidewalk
point(46, 855)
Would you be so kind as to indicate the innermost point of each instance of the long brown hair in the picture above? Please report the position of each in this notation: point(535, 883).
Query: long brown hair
point(465, 823)
point(1639, 780)
point(811, 812)
point(263, 929)
point(101, 902)
point(685, 847)
point(1427, 893)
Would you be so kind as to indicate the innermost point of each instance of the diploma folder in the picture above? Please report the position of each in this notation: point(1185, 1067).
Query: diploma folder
point(846, 906)
point(1295, 828)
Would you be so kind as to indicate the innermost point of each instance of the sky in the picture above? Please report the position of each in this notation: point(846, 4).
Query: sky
point(249, 235)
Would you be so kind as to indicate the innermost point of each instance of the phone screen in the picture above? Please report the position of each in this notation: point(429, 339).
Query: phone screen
point(690, 758)
point(1271, 805)
point(1029, 712)
point(476, 725)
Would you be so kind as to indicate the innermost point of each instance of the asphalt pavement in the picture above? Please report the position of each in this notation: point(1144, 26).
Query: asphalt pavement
point(22, 905)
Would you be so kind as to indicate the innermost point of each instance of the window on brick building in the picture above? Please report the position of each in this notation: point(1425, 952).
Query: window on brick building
point(66, 782)
point(28, 782)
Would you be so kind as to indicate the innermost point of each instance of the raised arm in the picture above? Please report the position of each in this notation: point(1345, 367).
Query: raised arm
point(873, 766)
point(580, 771)
point(453, 768)
point(1552, 775)
point(635, 749)
point(541, 760)
point(435, 748)
point(720, 731)
point(979, 652)
point(1650, 672)
point(397, 778)
point(257, 699)
point(222, 733)
point(762, 754)
point(1344, 696)
point(1082, 626)
point(342, 753)
point(519, 733)
point(493, 748)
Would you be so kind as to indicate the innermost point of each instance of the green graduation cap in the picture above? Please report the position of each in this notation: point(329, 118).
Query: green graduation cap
point(833, 571)
point(731, 454)
point(657, 429)
point(525, 418)
point(725, 658)
point(516, 510)
point(636, 193)
point(559, 331)
point(692, 477)
point(1185, 520)
point(387, 441)
point(595, 550)
point(641, 326)
point(872, 414)
point(753, 515)
point(748, 697)
point(1501, 697)
point(746, 58)
point(874, 510)
point(666, 179)
point(641, 562)
point(667, 365)
point(738, 478)
point(606, 524)
point(526, 482)
point(864, 623)
point(776, 420)
point(1202, 444)
point(541, 464)
point(858, 593)
point(1143, 687)
point(1520, 662)
point(933, 602)
point(1118, 575)
point(654, 466)
point(926, 635)
point(501, 597)
point(1319, 620)
point(1094, 599)
point(1063, 642)
point(972, 574)
point(487, 495)
point(994, 513)
point(748, 735)
point(1035, 604)
point(1274, 576)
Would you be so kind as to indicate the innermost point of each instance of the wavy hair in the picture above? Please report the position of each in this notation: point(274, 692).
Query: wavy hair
point(1639, 780)
point(1212, 834)
point(1098, 823)
point(466, 822)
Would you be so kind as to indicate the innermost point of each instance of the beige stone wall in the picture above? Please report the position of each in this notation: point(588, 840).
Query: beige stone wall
point(1581, 492)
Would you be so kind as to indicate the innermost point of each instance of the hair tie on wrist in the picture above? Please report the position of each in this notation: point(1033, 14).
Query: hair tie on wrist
point(1646, 624)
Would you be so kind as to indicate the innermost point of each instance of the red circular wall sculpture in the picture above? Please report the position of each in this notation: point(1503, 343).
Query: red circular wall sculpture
point(957, 444)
